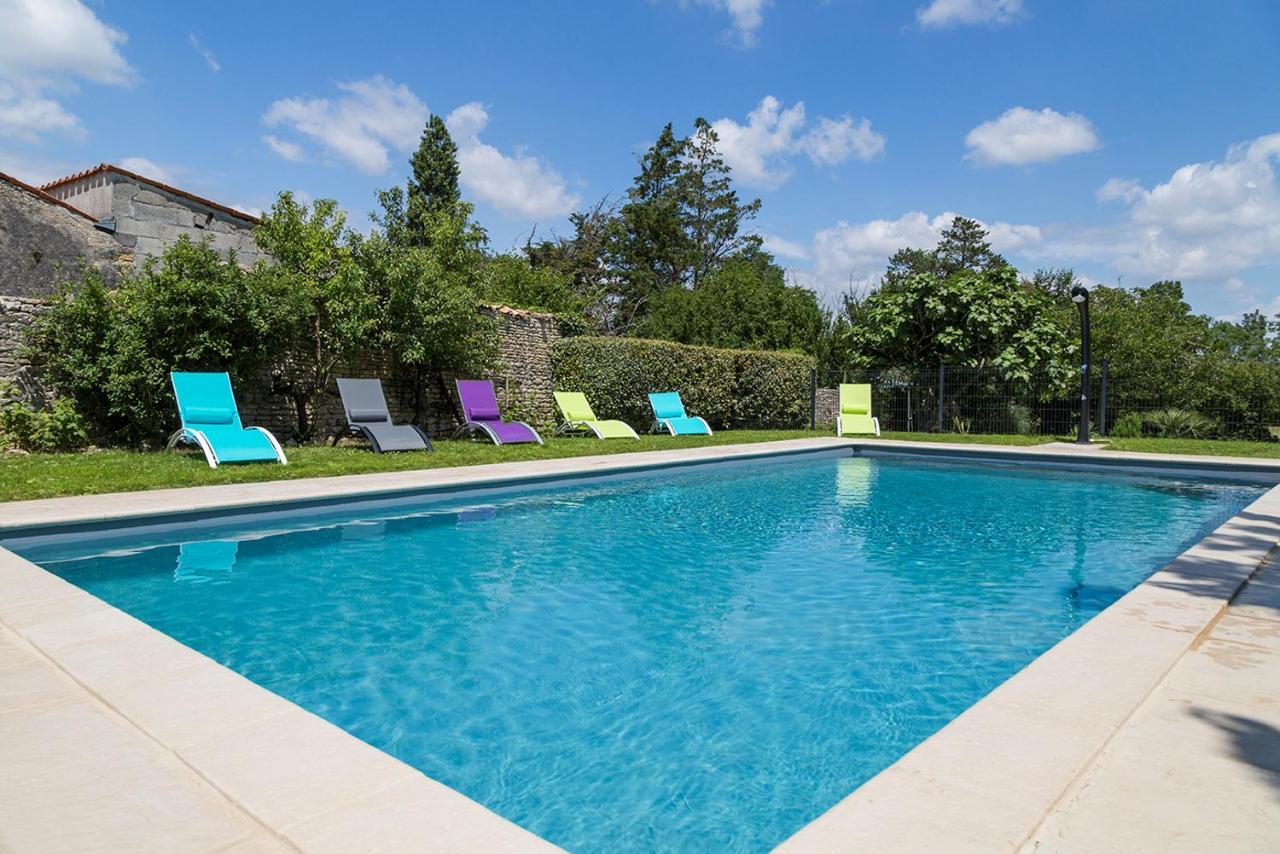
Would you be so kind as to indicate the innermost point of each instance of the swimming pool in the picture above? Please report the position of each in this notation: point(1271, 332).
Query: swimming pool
point(700, 659)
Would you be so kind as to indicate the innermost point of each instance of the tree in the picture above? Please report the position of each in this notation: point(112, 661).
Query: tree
point(682, 219)
point(710, 212)
point(314, 303)
point(433, 185)
point(580, 260)
point(111, 351)
point(744, 303)
point(964, 246)
point(428, 309)
point(975, 318)
point(648, 245)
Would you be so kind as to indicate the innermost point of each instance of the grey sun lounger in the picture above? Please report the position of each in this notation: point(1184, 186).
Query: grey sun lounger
point(367, 415)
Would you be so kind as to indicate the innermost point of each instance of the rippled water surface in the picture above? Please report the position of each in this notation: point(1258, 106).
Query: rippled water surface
point(699, 660)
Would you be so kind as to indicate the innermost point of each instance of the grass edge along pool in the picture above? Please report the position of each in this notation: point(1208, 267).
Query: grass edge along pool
point(685, 659)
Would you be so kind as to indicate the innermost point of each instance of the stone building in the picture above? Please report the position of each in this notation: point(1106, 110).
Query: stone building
point(145, 215)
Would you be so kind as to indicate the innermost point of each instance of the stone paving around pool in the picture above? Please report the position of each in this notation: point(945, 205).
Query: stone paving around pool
point(1154, 728)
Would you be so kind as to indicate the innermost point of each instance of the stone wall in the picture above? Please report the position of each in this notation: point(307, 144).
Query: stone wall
point(522, 379)
point(148, 220)
point(828, 406)
point(16, 314)
point(43, 243)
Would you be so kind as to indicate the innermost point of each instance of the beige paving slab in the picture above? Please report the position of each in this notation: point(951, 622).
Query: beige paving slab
point(60, 760)
point(394, 820)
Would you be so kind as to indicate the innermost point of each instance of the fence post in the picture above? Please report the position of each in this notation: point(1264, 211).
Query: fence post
point(942, 393)
point(813, 398)
point(1102, 400)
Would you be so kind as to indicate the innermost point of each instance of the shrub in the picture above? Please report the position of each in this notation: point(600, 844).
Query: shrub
point(1021, 419)
point(111, 351)
point(1180, 423)
point(730, 388)
point(1128, 426)
point(23, 426)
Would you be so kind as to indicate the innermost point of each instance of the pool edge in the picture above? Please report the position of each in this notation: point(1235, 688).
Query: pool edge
point(1164, 616)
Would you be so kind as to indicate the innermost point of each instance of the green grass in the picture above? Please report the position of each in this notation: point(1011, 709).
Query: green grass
point(971, 438)
point(1208, 447)
point(50, 475)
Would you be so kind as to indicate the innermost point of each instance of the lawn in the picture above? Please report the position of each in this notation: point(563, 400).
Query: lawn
point(25, 476)
point(1208, 447)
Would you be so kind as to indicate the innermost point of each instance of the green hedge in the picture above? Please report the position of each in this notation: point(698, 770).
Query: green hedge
point(729, 388)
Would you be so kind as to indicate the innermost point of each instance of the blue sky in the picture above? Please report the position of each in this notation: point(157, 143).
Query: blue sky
point(1132, 141)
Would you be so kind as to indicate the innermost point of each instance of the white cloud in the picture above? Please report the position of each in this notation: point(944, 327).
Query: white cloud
point(210, 59)
point(747, 16)
point(1022, 136)
point(951, 13)
point(27, 117)
point(360, 126)
point(783, 248)
point(1119, 189)
point(519, 184)
point(1208, 220)
point(147, 169)
point(760, 151)
point(287, 150)
point(856, 253)
point(46, 47)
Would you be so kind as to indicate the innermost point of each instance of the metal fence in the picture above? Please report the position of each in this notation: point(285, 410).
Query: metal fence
point(952, 399)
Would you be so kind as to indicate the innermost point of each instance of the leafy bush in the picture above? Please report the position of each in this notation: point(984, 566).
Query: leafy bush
point(730, 388)
point(1021, 419)
point(110, 352)
point(23, 426)
point(1128, 426)
point(1180, 423)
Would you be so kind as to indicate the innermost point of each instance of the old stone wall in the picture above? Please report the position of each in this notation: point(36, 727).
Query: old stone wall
point(43, 243)
point(828, 406)
point(16, 314)
point(148, 220)
point(522, 378)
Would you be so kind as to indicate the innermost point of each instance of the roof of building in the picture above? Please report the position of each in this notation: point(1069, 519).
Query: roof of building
point(109, 167)
point(43, 196)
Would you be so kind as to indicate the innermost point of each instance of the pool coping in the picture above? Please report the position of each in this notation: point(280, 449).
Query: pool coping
point(963, 783)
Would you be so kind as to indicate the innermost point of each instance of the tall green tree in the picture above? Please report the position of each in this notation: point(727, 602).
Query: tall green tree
point(713, 218)
point(433, 182)
point(648, 246)
point(428, 318)
point(315, 305)
point(964, 246)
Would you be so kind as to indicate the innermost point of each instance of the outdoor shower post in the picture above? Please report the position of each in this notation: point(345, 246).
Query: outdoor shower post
point(1080, 296)
point(1102, 399)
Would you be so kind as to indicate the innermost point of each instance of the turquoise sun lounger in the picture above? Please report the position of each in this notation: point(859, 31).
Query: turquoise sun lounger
point(669, 416)
point(211, 420)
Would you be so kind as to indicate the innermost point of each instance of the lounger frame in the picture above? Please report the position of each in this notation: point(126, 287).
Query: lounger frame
point(473, 426)
point(192, 436)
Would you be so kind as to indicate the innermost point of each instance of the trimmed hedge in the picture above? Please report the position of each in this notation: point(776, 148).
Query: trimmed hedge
point(729, 388)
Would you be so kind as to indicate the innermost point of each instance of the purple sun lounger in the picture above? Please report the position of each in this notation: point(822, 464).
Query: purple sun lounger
point(480, 412)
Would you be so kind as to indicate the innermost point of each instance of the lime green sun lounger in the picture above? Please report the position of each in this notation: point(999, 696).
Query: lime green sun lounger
point(579, 419)
point(855, 416)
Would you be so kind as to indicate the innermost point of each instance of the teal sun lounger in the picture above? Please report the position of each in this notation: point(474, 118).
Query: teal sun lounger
point(669, 416)
point(211, 420)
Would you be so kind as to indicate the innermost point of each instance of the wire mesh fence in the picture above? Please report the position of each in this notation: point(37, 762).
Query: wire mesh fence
point(950, 399)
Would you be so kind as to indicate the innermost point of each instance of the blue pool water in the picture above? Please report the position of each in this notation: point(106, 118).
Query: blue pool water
point(696, 660)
